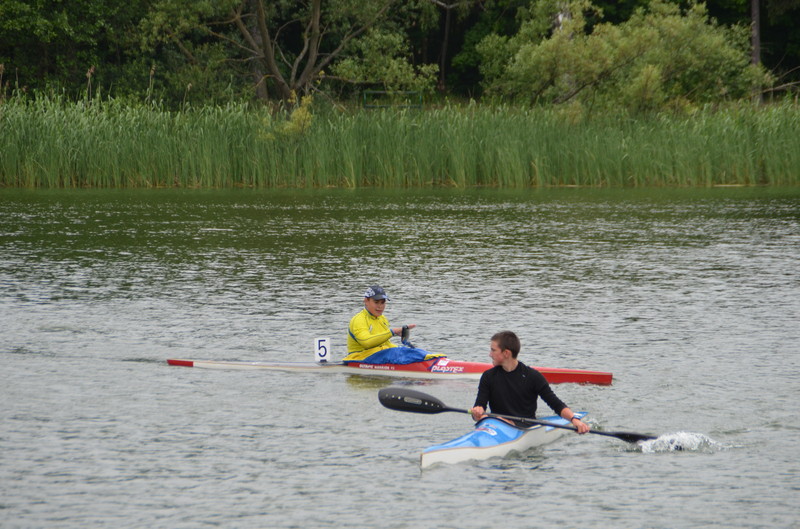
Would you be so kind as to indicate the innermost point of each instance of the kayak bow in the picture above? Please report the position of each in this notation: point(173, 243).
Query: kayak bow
point(493, 438)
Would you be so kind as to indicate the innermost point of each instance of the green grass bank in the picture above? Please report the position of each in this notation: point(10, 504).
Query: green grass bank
point(47, 143)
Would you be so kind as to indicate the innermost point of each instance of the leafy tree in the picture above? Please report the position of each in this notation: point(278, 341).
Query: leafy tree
point(489, 17)
point(291, 47)
point(503, 18)
point(52, 42)
point(379, 58)
point(660, 57)
point(213, 51)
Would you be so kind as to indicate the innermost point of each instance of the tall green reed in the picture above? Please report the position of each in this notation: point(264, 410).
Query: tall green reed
point(49, 142)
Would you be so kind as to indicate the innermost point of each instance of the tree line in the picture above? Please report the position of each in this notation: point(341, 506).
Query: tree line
point(639, 54)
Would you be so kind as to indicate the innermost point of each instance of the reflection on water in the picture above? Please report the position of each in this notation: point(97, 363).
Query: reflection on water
point(368, 382)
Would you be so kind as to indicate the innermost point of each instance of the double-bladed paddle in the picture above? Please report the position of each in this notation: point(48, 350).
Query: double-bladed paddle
point(403, 399)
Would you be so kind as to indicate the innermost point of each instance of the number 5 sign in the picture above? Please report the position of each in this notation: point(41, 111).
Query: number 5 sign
point(322, 347)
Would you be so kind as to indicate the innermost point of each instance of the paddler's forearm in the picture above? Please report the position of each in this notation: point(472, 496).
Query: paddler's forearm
point(579, 425)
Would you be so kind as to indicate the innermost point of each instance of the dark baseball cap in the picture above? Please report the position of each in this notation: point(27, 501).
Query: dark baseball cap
point(375, 292)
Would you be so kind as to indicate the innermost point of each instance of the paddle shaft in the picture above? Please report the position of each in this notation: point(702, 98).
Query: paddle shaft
point(618, 435)
point(402, 399)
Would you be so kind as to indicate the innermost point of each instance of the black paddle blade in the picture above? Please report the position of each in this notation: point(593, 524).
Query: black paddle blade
point(632, 437)
point(403, 399)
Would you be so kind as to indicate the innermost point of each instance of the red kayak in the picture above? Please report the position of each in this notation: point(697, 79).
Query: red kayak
point(436, 368)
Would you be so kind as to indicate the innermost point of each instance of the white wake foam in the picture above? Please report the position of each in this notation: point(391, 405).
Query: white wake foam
point(680, 441)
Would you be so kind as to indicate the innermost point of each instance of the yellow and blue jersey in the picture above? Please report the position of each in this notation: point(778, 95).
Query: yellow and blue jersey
point(367, 334)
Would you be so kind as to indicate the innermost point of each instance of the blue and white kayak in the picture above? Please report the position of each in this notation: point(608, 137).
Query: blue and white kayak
point(494, 438)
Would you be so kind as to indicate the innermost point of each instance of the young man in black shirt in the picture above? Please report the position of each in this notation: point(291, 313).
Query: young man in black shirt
point(512, 388)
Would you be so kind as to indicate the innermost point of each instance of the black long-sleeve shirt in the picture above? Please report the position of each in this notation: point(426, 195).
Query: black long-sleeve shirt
point(516, 392)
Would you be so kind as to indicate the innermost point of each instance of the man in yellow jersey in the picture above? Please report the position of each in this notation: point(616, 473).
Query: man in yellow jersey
point(368, 338)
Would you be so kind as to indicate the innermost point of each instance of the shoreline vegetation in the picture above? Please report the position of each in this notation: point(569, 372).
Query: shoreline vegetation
point(46, 142)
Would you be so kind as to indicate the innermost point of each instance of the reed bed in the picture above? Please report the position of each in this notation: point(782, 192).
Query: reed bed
point(46, 142)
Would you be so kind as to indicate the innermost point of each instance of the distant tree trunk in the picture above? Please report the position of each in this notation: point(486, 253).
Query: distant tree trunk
point(445, 44)
point(259, 77)
point(448, 15)
point(755, 31)
point(755, 40)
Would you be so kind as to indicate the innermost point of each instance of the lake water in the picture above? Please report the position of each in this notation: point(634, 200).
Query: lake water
point(690, 297)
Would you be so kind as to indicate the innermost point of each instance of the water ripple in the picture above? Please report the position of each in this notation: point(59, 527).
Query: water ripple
point(690, 297)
